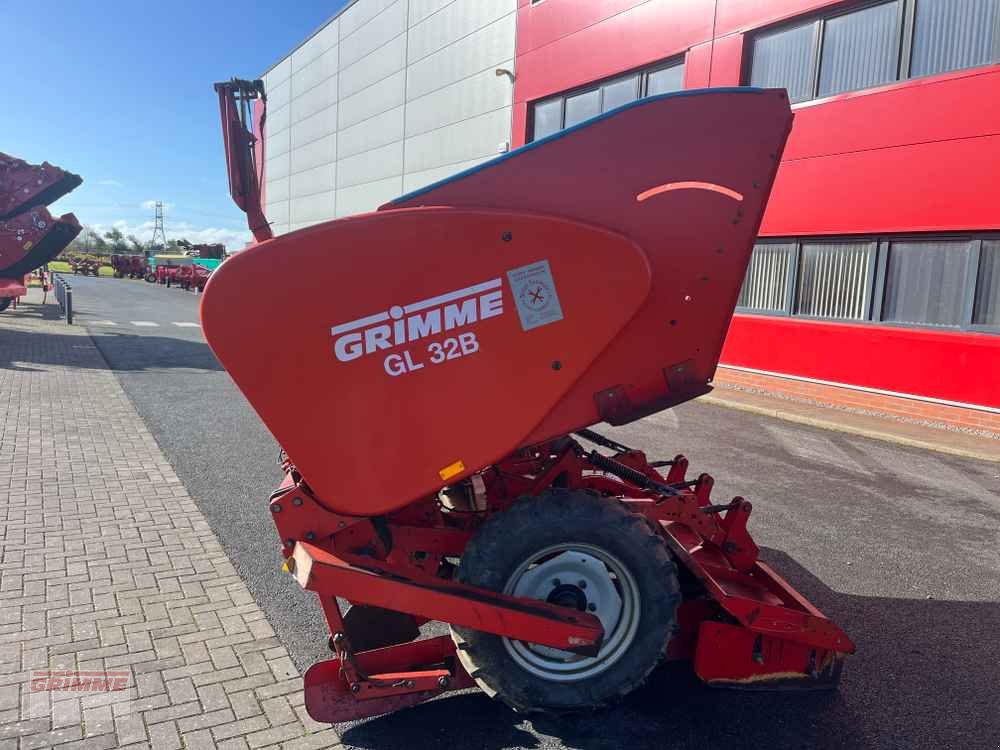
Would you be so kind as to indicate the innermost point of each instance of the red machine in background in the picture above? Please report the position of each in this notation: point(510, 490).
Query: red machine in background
point(29, 236)
point(433, 383)
point(133, 266)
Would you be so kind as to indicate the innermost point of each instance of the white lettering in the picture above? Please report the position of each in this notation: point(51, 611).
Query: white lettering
point(377, 338)
point(455, 315)
point(491, 304)
point(348, 347)
point(394, 365)
point(419, 327)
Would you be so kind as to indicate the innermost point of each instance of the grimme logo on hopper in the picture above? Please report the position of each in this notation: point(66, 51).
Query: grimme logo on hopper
point(407, 323)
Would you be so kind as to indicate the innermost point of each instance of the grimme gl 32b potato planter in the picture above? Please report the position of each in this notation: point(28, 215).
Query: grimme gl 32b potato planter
point(432, 376)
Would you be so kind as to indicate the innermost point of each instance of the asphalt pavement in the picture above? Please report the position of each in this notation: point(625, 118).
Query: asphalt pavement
point(900, 546)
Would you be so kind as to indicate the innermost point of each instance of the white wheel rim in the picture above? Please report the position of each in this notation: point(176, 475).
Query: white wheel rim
point(608, 591)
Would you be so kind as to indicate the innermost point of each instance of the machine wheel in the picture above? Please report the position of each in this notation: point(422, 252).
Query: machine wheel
point(581, 550)
point(151, 278)
point(5, 303)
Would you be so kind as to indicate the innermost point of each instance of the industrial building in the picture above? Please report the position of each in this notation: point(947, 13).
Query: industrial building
point(878, 264)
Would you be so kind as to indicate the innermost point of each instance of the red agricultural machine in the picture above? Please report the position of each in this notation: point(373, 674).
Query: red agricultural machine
point(132, 266)
point(471, 334)
point(29, 236)
point(85, 266)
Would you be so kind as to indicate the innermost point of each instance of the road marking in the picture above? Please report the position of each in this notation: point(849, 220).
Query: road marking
point(104, 323)
point(146, 323)
point(188, 325)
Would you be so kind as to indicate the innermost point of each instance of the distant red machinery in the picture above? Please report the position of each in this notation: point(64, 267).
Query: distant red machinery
point(133, 266)
point(29, 236)
point(433, 381)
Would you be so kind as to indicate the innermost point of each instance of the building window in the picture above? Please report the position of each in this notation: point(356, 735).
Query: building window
point(986, 311)
point(552, 115)
point(766, 285)
point(860, 49)
point(835, 280)
point(874, 44)
point(784, 59)
point(947, 282)
point(953, 34)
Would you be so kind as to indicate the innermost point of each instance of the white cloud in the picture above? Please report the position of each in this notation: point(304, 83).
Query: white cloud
point(233, 239)
point(110, 183)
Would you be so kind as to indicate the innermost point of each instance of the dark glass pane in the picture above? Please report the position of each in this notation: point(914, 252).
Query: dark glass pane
point(925, 282)
point(547, 118)
point(666, 80)
point(582, 107)
point(953, 34)
point(765, 286)
point(784, 59)
point(835, 280)
point(987, 308)
point(622, 91)
point(860, 49)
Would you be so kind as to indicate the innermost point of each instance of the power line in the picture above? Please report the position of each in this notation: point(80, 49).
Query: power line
point(158, 226)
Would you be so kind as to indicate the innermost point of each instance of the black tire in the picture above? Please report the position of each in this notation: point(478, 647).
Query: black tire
point(5, 303)
point(532, 525)
point(151, 278)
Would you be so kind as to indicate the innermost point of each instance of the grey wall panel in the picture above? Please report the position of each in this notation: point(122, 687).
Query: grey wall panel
point(277, 212)
point(312, 208)
point(314, 127)
point(390, 96)
point(314, 154)
point(361, 13)
point(373, 67)
point(367, 197)
point(277, 167)
point(314, 73)
point(483, 92)
point(277, 190)
point(463, 141)
point(415, 180)
point(420, 9)
point(280, 72)
point(483, 50)
point(311, 181)
point(317, 98)
point(323, 40)
point(279, 94)
point(371, 133)
point(369, 166)
point(382, 29)
point(374, 100)
point(277, 120)
point(453, 22)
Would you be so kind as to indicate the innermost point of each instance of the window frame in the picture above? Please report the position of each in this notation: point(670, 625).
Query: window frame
point(878, 266)
point(906, 29)
point(642, 88)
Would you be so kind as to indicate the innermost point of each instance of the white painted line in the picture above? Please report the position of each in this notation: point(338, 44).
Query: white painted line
point(146, 323)
point(104, 323)
point(188, 325)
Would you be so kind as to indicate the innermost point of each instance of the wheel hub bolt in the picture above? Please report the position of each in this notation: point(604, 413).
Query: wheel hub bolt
point(556, 582)
point(592, 607)
point(582, 584)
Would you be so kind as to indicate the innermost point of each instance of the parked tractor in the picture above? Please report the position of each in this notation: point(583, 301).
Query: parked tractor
point(452, 352)
point(29, 235)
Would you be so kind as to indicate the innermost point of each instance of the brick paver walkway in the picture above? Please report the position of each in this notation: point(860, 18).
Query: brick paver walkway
point(107, 564)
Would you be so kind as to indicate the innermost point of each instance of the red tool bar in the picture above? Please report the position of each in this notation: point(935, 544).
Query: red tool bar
point(523, 619)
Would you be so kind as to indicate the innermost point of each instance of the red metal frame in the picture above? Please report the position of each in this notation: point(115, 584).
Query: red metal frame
point(752, 630)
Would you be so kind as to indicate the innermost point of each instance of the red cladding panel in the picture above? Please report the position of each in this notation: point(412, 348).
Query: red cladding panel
point(621, 42)
point(962, 367)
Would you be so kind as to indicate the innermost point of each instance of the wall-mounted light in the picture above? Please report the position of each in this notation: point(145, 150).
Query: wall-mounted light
point(504, 72)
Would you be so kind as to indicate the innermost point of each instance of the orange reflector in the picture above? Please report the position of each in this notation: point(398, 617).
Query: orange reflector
point(451, 470)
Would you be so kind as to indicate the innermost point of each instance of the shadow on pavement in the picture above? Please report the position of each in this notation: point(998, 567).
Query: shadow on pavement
point(925, 675)
point(123, 351)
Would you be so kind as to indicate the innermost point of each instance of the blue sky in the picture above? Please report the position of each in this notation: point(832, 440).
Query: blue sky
point(120, 92)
